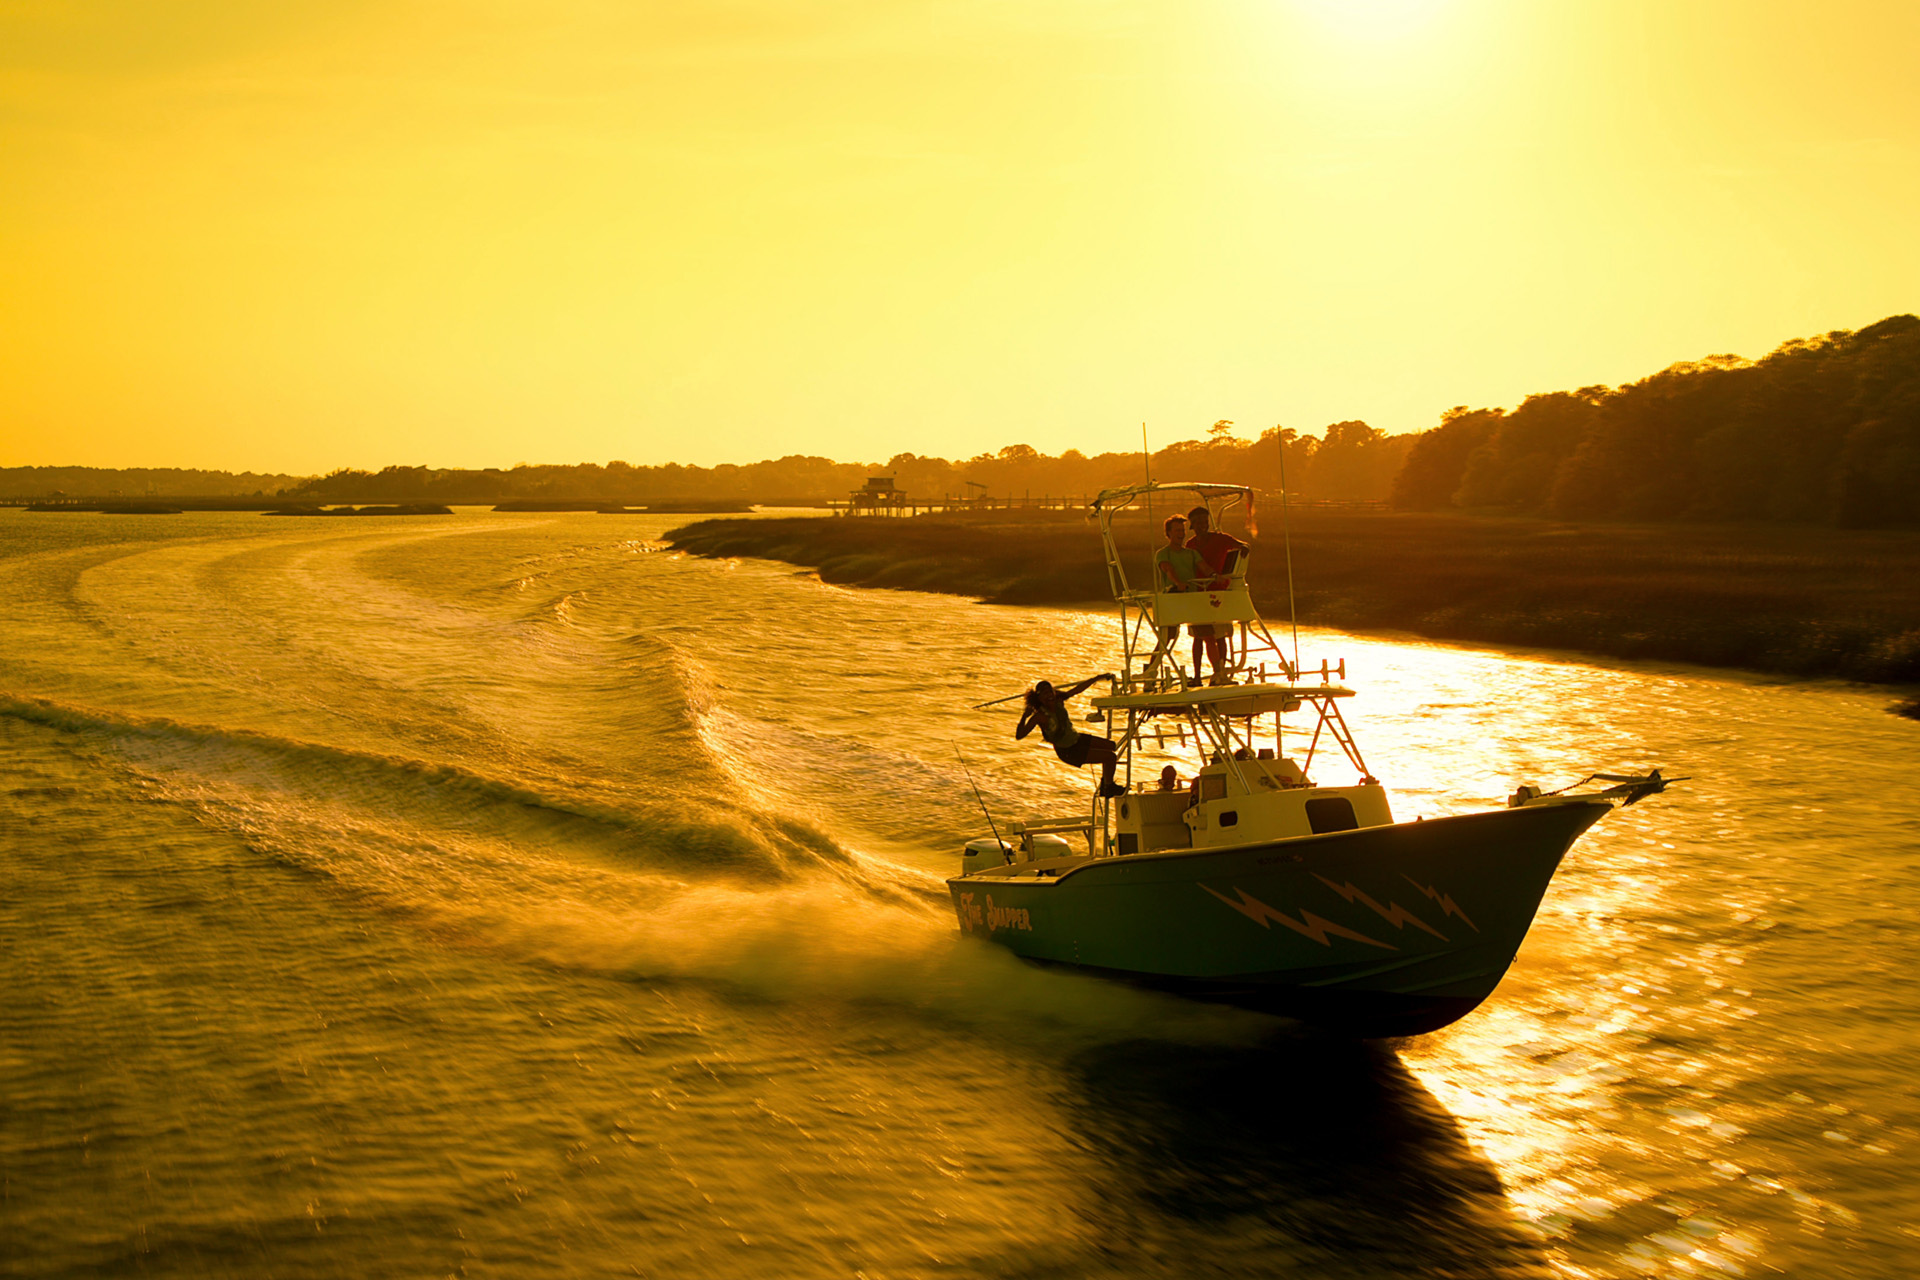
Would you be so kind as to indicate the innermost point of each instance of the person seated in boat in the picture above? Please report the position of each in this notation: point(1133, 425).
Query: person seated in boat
point(1169, 779)
point(1046, 710)
point(1218, 553)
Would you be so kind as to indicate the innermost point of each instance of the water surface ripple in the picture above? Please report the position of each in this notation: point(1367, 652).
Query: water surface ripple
point(502, 895)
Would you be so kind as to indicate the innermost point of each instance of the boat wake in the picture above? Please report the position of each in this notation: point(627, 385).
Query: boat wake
point(703, 890)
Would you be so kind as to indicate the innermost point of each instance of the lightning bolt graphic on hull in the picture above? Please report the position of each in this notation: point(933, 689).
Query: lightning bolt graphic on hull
point(1447, 905)
point(1393, 913)
point(1308, 926)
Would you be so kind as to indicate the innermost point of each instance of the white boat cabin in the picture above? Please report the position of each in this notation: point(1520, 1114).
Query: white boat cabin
point(1265, 799)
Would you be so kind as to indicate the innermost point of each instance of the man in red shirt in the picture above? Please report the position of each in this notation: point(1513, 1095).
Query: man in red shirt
point(1218, 553)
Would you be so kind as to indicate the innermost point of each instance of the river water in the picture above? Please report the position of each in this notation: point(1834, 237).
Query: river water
point(505, 895)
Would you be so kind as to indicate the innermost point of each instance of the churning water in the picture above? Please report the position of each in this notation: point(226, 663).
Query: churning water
point(501, 895)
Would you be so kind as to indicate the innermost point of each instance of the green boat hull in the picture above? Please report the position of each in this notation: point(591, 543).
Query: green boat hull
point(1382, 931)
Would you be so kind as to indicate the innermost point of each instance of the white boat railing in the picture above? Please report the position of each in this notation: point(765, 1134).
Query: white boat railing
point(1237, 721)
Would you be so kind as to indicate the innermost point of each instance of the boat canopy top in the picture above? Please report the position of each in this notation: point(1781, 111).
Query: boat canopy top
point(1111, 500)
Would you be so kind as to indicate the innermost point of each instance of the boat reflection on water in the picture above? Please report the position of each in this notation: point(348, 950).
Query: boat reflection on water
point(1298, 1152)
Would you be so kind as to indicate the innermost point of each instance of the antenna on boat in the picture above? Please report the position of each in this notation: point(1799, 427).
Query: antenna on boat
point(1146, 467)
point(976, 794)
point(1286, 534)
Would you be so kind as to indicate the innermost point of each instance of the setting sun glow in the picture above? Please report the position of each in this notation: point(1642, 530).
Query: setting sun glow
point(1381, 19)
point(329, 233)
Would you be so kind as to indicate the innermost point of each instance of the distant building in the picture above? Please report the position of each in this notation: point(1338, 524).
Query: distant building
point(878, 497)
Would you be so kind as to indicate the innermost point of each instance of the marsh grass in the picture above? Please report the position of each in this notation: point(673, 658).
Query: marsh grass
point(1796, 600)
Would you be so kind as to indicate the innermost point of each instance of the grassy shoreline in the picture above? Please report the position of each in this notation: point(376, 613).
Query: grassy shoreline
point(1796, 601)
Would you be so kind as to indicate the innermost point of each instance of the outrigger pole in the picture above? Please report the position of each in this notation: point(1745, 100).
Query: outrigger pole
point(1286, 536)
point(1146, 469)
point(1153, 575)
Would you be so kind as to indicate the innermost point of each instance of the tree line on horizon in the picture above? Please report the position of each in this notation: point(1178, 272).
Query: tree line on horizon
point(1822, 430)
point(140, 482)
point(1348, 460)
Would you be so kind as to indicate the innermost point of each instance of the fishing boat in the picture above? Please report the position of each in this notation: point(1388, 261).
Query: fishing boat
point(1250, 883)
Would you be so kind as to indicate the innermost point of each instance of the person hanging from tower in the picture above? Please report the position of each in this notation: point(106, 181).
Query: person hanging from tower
point(1046, 710)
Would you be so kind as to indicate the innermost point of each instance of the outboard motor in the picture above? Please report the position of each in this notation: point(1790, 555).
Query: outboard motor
point(1046, 846)
point(983, 853)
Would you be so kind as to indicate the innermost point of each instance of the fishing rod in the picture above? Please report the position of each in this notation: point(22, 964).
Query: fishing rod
point(1105, 675)
point(977, 796)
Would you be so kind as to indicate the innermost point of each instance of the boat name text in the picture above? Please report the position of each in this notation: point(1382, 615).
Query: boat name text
point(973, 915)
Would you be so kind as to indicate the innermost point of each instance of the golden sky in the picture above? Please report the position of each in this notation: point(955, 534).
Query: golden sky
point(319, 233)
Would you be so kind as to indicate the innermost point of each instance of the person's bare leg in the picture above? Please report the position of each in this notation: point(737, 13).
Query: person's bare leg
point(1103, 754)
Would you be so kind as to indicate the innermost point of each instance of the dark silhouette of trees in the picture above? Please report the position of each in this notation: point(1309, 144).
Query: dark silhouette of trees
point(1513, 468)
point(1438, 460)
point(1353, 462)
point(39, 482)
point(1822, 430)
